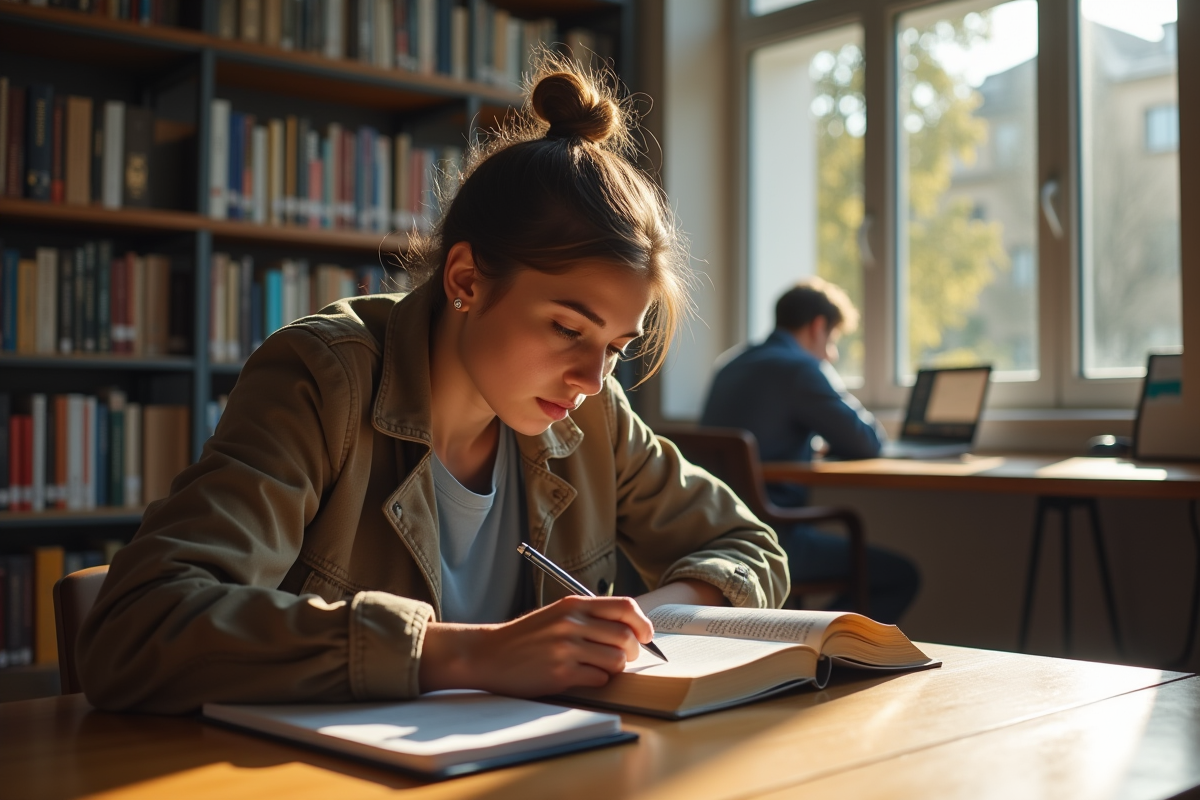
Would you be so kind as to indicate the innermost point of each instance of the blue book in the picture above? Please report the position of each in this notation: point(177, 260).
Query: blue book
point(274, 301)
point(233, 182)
point(445, 35)
point(8, 301)
point(102, 455)
point(256, 315)
point(39, 138)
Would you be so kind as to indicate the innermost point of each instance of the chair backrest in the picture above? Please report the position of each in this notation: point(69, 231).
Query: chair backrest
point(730, 454)
point(74, 596)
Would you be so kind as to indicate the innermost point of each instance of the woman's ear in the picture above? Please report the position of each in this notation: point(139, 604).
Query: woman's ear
point(460, 278)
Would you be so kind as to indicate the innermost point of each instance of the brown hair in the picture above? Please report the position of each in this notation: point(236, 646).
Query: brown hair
point(815, 297)
point(554, 187)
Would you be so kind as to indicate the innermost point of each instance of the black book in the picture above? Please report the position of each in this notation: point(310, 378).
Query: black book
point(66, 302)
point(18, 632)
point(5, 410)
point(104, 296)
point(89, 297)
point(39, 153)
point(181, 310)
point(135, 177)
point(3, 612)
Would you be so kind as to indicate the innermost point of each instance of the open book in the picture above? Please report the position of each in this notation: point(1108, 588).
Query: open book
point(439, 735)
point(721, 657)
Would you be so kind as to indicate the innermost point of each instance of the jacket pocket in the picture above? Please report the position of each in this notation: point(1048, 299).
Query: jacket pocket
point(325, 587)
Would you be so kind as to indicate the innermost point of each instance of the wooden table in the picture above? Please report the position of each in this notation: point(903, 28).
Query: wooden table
point(1013, 474)
point(987, 724)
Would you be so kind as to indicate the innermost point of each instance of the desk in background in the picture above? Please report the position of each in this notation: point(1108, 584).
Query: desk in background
point(987, 724)
point(1060, 483)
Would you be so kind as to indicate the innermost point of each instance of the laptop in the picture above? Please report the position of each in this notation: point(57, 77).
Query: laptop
point(943, 413)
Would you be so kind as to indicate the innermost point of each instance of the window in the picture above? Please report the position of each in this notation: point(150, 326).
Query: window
point(973, 220)
point(1130, 189)
point(808, 118)
point(759, 7)
point(967, 92)
point(1162, 129)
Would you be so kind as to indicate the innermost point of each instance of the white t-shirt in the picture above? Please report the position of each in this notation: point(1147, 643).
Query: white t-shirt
point(478, 535)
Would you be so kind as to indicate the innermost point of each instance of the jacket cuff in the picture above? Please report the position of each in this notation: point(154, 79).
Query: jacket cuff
point(387, 633)
point(735, 580)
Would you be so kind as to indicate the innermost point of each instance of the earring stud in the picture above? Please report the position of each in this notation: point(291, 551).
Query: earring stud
point(458, 304)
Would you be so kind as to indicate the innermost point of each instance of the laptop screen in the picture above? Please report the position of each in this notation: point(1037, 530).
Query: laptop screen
point(946, 404)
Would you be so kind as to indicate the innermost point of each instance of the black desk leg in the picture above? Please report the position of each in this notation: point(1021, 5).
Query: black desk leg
point(1064, 505)
point(1110, 599)
point(1039, 521)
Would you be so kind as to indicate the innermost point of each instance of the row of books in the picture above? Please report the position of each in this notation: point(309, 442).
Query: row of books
point(70, 149)
point(287, 172)
point(27, 634)
point(86, 300)
point(80, 452)
point(146, 12)
point(465, 40)
point(248, 304)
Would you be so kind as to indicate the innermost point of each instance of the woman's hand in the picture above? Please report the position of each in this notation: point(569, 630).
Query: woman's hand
point(576, 641)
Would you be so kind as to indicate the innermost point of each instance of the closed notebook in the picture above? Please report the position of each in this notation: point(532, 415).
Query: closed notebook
point(439, 735)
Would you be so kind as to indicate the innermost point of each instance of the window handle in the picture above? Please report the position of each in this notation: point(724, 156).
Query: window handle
point(864, 240)
point(1049, 197)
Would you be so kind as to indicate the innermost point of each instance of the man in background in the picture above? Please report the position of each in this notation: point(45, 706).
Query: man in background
point(787, 393)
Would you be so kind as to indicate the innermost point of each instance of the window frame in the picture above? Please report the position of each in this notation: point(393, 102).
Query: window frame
point(1061, 382)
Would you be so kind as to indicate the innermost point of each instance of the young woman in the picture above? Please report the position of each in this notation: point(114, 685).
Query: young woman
point(350, 531)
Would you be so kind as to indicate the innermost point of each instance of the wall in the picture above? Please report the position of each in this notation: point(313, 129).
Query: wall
point(696, 174)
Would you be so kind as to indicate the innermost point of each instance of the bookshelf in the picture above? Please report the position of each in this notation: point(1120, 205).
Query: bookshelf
point(178, 72)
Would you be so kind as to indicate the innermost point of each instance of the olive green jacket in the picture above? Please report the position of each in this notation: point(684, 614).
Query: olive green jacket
point(297, 560)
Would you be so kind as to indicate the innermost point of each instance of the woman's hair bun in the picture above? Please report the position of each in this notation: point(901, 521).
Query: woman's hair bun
point(574, 108)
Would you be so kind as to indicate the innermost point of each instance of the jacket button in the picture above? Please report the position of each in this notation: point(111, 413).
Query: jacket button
point(742, 570)
point(397, 512)
point(603, 588)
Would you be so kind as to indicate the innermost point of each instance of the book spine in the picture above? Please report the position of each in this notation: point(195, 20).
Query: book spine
point(5, 449)
point(62, 445)
point(66, 301)
point(273, 304)
point(251, 20)
point(104, 296)
point(89, 452)
point(217, 304)
point(15, 146)
point(218, 156)
point(4, 90)
point(47, 300)
point(136, 313)
point(37, 471)
point(245, 295)
point(232, 334)
point(114, 146)
point(89, 297)
point(96, 178)
point(133, 455)
point(259, 179)
point(78, 150)
point(27, 306)
point(135, 174)
point(233, 172)
point(50, 472)
point(57, 145)
point(102, 455)
point(246, 162)
point(116, 463)
point(39, 118)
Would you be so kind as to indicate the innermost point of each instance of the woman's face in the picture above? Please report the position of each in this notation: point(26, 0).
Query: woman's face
point(549, 341)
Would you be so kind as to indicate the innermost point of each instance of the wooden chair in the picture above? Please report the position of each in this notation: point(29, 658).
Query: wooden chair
point(731, 454)
point(74, 596)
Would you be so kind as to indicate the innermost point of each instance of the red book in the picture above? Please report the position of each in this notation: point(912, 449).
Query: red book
point(57, 151)
point(14, 148)
point(62, 451)
point(20, 455)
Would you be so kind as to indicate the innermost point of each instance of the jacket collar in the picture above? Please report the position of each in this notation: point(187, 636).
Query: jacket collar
point(402, 402)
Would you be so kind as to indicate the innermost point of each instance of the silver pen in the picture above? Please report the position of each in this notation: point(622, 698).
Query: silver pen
point(570, 584)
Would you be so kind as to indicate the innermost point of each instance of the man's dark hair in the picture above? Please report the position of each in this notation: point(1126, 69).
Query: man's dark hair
point(811, 298)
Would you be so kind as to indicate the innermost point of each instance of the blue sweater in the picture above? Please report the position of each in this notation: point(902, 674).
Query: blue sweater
point(784, 395)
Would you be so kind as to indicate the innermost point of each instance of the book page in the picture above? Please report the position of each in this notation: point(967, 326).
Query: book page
point(692, 656)
point(765, 624)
